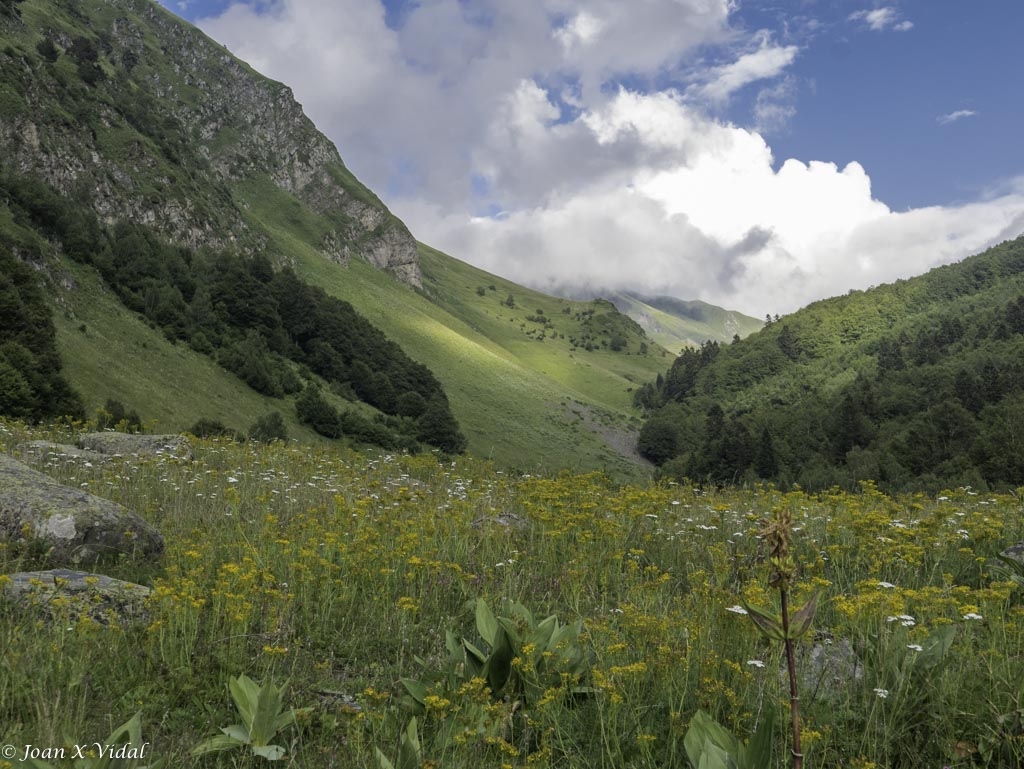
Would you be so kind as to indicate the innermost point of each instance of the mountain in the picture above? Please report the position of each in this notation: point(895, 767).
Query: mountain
point(914, 385)
point(677, 323)
point(205, 254)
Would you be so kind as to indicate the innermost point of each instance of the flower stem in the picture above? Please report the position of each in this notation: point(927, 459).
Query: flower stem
point(794, 696)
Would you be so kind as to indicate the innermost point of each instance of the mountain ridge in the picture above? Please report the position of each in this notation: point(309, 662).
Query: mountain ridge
point(240, 123)
point(249, 175)
point(911, 385)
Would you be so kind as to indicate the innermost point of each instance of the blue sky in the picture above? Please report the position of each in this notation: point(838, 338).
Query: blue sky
point(757, 155)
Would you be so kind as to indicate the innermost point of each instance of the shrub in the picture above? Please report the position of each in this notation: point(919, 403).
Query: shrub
point(269, 427)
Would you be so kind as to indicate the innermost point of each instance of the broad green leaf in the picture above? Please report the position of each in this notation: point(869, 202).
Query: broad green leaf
point(486, 622)
point(417, 689)
point(801, 619)
point(409, 753)
point(269, 752)
point(451, 642)
point(705, 731)
point(543, 634)
point(561, 634)
point(511, 633)
point(518, 610)
point(767, 622)
point(268, 706)
point(216, 745)
point(498, 667)
point(237, 732)
point(714, 757)
point(478, 655)
point(287, 718)
point(246, 693)
point(128, 732)
point(382, 760)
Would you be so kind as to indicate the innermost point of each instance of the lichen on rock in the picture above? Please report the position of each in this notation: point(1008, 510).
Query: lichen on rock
point(71, 526)
point(71, 595)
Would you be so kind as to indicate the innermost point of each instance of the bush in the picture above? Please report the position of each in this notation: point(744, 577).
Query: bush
point(211, 428)
point(114, 416)
point(313, 410)
point(269, 427)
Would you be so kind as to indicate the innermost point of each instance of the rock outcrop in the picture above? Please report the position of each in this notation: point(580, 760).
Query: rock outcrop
point(72, 525)
point(51, 450)
point(191, 123)
point(134, 444)
point(70, 595)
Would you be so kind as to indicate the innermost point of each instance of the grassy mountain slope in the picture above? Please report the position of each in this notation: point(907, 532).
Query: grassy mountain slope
point(141, 118)
point(523, 400)
point(112, 353)
point(917, 384)
point(677, 323)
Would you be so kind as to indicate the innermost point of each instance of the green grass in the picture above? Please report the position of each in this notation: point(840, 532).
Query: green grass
point(109, 352)
point(338, 575)
point(514, 395)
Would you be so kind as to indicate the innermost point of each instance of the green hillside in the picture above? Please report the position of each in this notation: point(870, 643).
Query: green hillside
point(164, 191)
point(677, 323)
point(917, 384)
point(526, 390)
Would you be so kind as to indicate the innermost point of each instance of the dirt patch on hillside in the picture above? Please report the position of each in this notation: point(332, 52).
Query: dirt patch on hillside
point(620, 436)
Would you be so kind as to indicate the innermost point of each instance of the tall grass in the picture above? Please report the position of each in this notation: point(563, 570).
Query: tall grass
point(339, 575)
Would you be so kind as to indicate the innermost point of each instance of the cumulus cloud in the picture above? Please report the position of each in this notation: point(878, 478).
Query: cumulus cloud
point(712, 219)
point(506, 135)
point(952, 117)
point(881, 19)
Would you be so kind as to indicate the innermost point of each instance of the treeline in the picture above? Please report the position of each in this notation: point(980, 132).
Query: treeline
point(31, 384)
point(915, 385)
point(266, 326)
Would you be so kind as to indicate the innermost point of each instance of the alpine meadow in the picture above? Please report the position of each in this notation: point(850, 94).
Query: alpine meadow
point(281, 483)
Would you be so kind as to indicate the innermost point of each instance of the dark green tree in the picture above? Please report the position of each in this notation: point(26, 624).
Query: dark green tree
point(438, 427)
point(313, 409)
point(658, 441)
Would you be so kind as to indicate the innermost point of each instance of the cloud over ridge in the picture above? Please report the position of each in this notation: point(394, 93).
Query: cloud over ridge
point(561, 143)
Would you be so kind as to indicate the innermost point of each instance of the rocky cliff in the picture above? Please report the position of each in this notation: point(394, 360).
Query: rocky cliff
point(167, 127)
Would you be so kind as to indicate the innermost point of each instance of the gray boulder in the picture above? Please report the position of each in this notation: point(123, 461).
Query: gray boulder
point(59, 451)
point(71, 595)
point(126, 444)
point(76, 526)
point(1014, 552)
point(826, 669)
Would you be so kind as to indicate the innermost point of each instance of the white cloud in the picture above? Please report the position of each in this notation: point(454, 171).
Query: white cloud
point(711, 219)
point(582, 30)
point(881, 19)
point(767, 62)
point(775, 106)
point(952, 117)
point(492, 105)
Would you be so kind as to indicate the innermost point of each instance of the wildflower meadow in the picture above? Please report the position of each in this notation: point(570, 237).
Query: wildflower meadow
point(400, 611)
